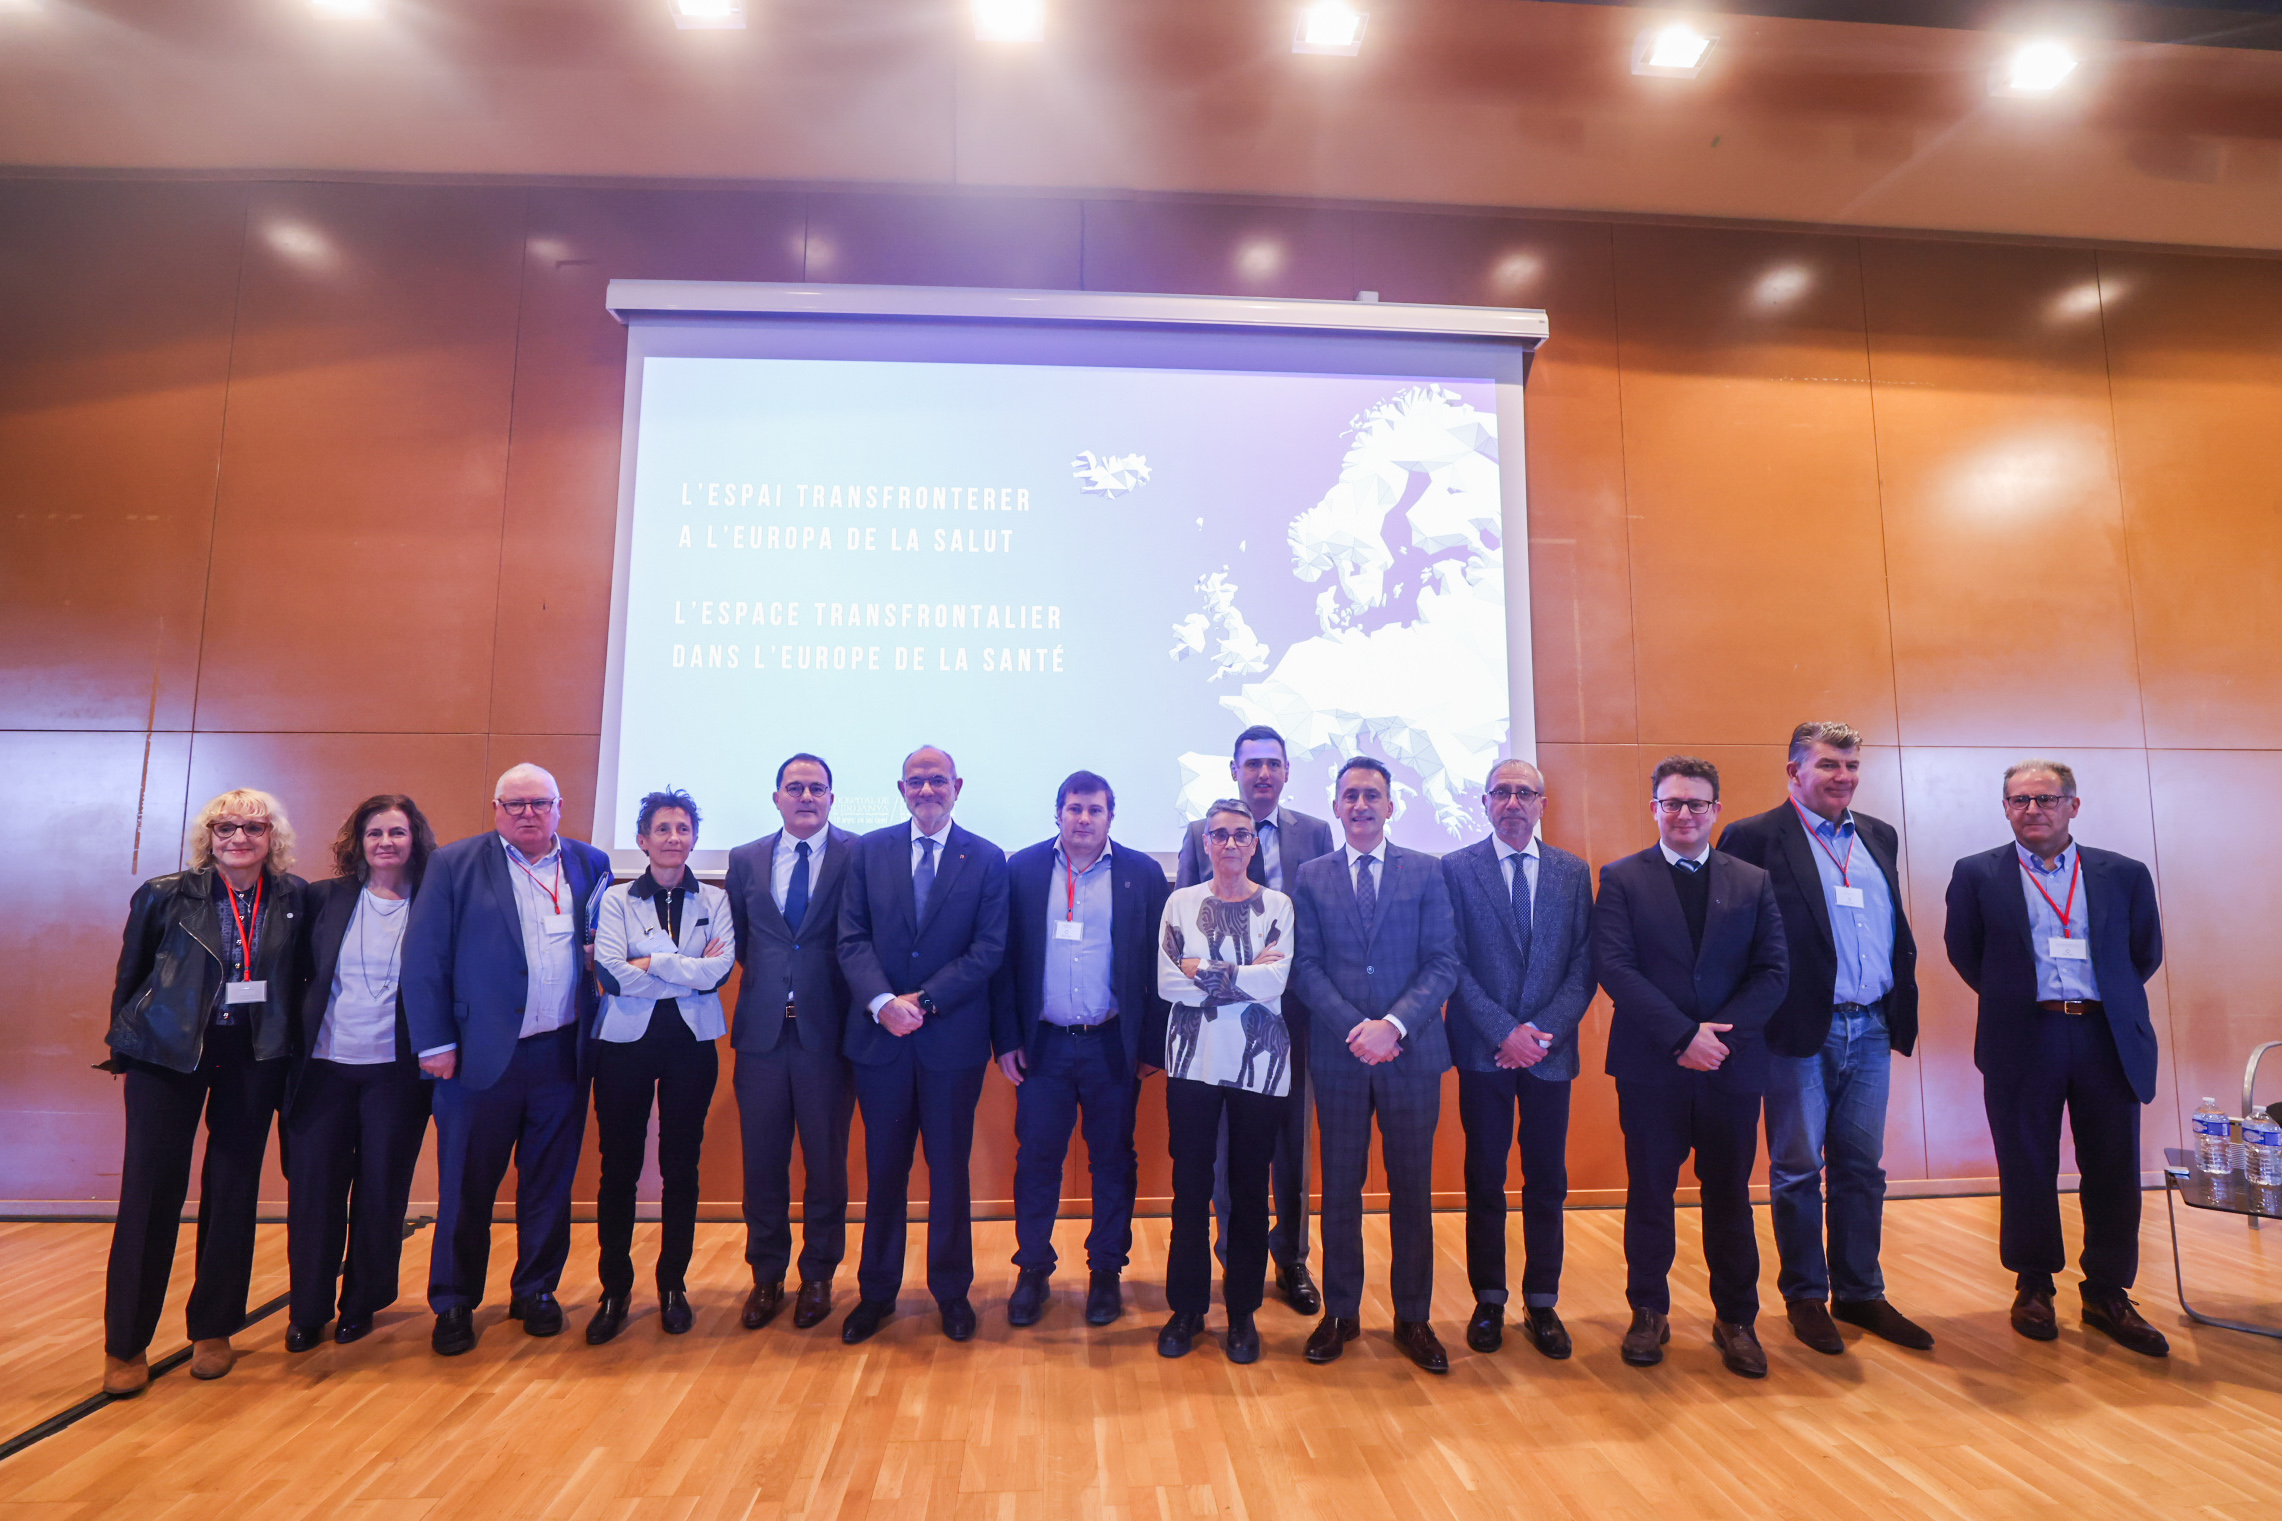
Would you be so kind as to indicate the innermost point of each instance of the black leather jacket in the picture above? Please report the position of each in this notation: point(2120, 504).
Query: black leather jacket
point(171, 969)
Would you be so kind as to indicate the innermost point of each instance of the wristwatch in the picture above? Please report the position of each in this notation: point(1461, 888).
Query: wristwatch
point(926, 1004)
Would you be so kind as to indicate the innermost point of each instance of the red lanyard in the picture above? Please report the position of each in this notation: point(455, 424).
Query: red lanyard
point(246, 945)
point(2074, 869)
point(554, 893)
point(1843, 879)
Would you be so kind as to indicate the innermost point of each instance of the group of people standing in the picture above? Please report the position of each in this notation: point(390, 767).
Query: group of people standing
point(498, 981)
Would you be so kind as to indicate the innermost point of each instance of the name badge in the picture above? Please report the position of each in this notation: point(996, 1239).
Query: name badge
point(2060, 948)
point(1069, 929)
point(1850, 897)
point(555, 924)
point(244, 992)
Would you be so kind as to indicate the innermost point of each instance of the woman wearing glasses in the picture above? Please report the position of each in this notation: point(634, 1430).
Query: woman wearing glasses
point(201, 1021)
point(1223, 955)
point(356, 1106)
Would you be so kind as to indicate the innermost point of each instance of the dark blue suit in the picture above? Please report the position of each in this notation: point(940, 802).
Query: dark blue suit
point(1066, 1074)
point(1664, 984)
point(465, 980)
point(922, 1087)
point(1403, 963)
point(1502, 986)
point(2099, 1065)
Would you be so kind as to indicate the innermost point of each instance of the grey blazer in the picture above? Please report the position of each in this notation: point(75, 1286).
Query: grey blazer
point(778, 963)
point(1405, 966)
point(1304, 838)
point(1496, 994)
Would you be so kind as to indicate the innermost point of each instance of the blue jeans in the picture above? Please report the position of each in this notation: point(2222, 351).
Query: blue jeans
point(1826, 1117)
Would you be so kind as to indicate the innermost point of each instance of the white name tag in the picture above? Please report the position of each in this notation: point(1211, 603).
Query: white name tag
point(555, 924)
point(2060, 949)
point(1849, 897)
point(244, 992)
point(1069, 929)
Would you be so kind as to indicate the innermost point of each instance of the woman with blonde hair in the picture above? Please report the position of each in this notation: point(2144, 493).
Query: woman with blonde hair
point(201, 1023)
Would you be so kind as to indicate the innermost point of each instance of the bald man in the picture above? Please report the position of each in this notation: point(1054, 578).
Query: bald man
point(501, 1010)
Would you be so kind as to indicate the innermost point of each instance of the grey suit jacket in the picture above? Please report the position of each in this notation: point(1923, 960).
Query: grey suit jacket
point(1496, 992)
point(1405, 965)
point(1304, 838)
point(778, 963)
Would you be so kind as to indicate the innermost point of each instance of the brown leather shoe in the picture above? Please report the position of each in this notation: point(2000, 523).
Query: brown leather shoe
point(762, 1304)
point(212, 1357)
point(1330, 1338)
point(1644, 1342)
point(2033, 1317)
point(1418, 1342)
point(815, 1303)
point(126, 1377)
point(1739, 1349)
point(2111, 1313)
point(1883, 1320)
point(1811, 1323)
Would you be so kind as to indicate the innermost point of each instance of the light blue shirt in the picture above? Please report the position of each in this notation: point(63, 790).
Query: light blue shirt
point(1525, 861)
point(1863, 937)
point(1077, 988)
point(552, 957)
point(2056, 978)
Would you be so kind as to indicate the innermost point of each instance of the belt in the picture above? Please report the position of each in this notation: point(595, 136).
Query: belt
point(1857, 1008)
point(2072, 1006)
point(1080, 1029)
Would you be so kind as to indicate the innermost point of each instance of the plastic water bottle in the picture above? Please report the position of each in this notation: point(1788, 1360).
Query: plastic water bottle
point(2262, 1147)
point(2214, 1149)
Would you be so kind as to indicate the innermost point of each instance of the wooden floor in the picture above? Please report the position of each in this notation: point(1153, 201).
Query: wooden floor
point(1060, 1421)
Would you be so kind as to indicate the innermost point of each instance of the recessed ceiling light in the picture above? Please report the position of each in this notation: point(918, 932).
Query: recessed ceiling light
point(355, 10)
point(1010, 20)
point(708, 15)
point(2034, 70)
point(1676, 51)
point(1330, 28)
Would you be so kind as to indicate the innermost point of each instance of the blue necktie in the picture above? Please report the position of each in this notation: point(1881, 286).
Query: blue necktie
point(1521, 904)
point(923, 880)
point(1366, 893)
point(796, 894)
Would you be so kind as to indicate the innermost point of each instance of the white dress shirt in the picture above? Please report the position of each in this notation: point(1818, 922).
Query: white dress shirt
point(1674, 858)
point(1378, 858)
point(1526, 860)
point(786, 860)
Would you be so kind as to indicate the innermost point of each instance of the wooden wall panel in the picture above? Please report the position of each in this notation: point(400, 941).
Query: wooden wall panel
point(1219, 250)
point(945, 240)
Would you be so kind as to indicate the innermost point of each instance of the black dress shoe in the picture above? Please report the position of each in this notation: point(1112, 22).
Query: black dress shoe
point(1486, 1331)
point(1242, 1342)
point(609, 1319)
point(1330, 1338)
point(1179, 1334)
point(2111, 1313)
point(1421, 1345)
point(1027, 1304)
point(454, 1334)
point(1105, 1299)
point(1811, 1324)
point(958, 1319)
point(2033, 1317)
point(815, 1303)
point(540, 1314)
point(1299, 1289)
point(300, 1338)
point(762, 1304)
point(1883, 1320)
point(674, 1314)
point(1739, 1349)
point(867, 1317)
point(1643, 1345)
point(1545, 1331)
point(352, 1328)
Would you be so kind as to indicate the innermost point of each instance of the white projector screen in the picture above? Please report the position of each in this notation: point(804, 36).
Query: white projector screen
point(1047, 531)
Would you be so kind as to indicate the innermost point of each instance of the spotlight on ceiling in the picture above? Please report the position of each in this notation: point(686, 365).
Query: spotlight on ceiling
point(1676, 51)
point(1010, 20)
point(2034, 70)
point(708, 15)
point(1330, 28)
point(354, 10)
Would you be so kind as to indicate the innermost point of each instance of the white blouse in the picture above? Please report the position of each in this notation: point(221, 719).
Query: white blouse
point(1227, 1022)
point(360, 1013)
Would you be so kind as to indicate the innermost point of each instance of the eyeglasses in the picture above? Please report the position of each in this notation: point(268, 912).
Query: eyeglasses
point(936, 783)
point(2022, 802)
point(1515, 794)
point(806, 789)
point(1695, 807)
point(1231, 836)
point(250, 831)
point(527, 804)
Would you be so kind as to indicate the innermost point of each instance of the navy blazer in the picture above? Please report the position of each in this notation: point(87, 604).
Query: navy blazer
point(1988, 939)
point(951, 955)
point(1304, 837)
point(1496, 993)
point(1663, 987)
point(1406, 966)
point(465, 976)
point(327, 908)
point(1138, 890)
point(1777, 843)
point(778, 963)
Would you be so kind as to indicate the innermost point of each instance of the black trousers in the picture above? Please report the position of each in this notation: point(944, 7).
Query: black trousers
point(2075, 1067)
point(1199, 1119)
point(1075, 1075)
point(1287, 1175)
point(1663, 1122)
point(782, 1093)
point(906, 1106)
point(350, 1142)
point(677, 1070)
point(1488, 1104)
point(1406, 1104)
point(237, 1095)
